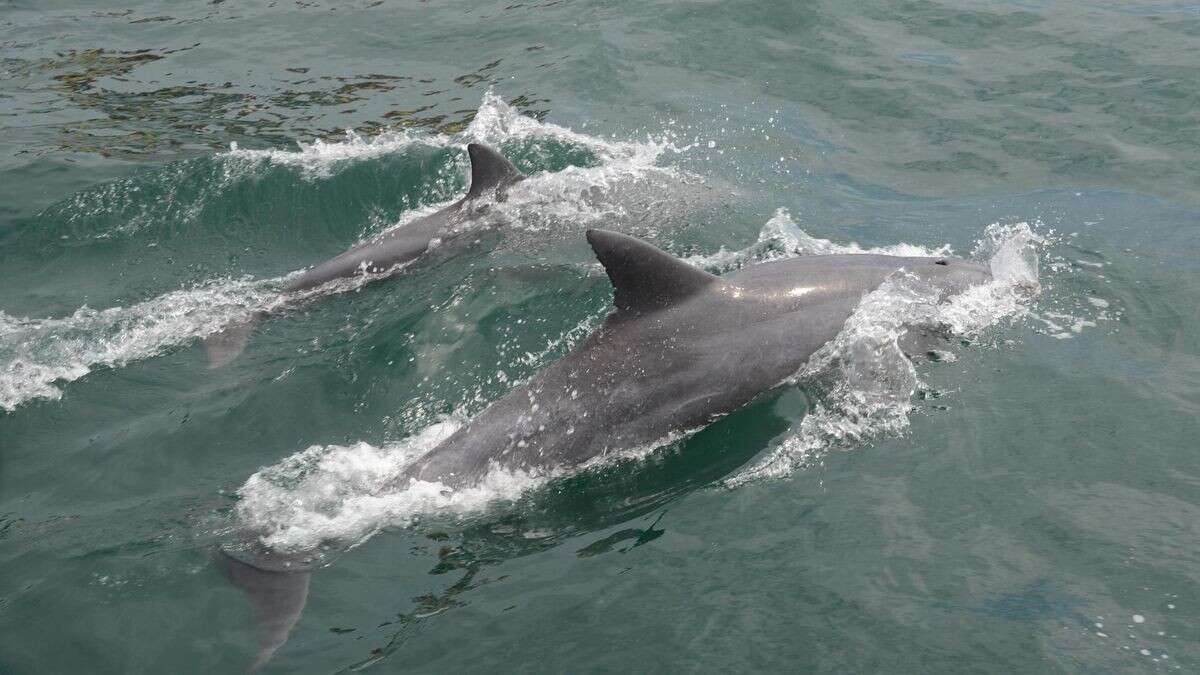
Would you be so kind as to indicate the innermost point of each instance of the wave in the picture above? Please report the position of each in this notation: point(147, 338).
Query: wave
point(578, 170)
point(341, 493)
point(38, 355)
point(321, 158)
point(782, 238)
point(494, 123)
point(603, 186)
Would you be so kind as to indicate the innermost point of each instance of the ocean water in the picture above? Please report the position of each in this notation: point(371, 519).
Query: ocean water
point(1025, 497)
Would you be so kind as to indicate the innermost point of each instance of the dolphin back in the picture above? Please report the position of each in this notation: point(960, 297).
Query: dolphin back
point(491, 174)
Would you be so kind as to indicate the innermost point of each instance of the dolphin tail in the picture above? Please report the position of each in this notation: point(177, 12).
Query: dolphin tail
point(225, 345)
point(277, 597)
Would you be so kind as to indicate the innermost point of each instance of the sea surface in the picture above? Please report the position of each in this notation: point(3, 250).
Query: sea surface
point(1022, 497)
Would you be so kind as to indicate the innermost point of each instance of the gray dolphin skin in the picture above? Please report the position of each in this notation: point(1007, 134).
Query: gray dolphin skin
point(491, 175)
point(682, 348)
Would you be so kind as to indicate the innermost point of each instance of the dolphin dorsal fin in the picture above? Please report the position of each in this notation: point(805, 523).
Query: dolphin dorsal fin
point(489, 170)
point(643, 277)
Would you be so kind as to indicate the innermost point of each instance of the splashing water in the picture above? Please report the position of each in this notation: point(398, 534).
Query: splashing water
point(321, 158)
point(38, 353)
point(346, 493)
point(575, 195)
point(862, 381)
point(495, 123)
point(336, 493)
point(782, 238)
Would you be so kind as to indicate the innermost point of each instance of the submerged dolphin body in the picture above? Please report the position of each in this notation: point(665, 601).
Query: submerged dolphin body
point(682, 348)
point(491, 176)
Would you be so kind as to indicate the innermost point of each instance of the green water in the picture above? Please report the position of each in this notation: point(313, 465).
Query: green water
point(1033, 506)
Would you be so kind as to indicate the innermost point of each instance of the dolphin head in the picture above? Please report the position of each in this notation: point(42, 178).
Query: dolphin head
point(951, 275)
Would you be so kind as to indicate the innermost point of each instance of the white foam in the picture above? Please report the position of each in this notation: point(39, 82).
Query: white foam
point(40, 354)
point(336, 493)
point(348, 493)
point(495, 123)
point(320, 158)
point(782, 238)
point(575, 196)
point(862, 382)
point(564, 201)
point(37, 356)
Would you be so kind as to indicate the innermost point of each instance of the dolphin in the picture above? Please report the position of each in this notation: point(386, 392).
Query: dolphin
point(682, 348)
point(491, 176)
